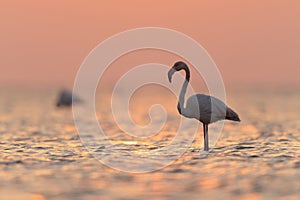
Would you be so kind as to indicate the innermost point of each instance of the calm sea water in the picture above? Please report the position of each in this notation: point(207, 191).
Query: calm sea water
point(42, 156)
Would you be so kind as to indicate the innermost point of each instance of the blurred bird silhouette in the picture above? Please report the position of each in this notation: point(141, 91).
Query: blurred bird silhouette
point(66, 98)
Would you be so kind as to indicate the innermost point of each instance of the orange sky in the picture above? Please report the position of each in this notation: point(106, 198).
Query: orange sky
point(252, 42)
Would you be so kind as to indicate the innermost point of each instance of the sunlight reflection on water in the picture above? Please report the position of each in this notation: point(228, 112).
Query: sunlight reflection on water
point(43, 158)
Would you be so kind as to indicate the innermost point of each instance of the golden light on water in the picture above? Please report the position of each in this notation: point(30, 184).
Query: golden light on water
point(45, 159)
point(129, 142)
point(38, 197)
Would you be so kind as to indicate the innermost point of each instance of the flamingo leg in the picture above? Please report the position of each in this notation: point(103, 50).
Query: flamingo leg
point(205, 129)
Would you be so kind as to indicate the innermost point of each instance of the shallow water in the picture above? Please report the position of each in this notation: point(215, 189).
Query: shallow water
point(42, 156)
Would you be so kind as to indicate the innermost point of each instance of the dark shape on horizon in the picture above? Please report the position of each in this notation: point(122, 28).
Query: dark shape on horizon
point(66, 98)
point(206, 109)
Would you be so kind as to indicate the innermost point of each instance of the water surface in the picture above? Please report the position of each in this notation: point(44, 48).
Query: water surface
point(42, 156)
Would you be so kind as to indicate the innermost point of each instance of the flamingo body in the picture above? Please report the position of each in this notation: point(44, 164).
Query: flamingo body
point(210, 109)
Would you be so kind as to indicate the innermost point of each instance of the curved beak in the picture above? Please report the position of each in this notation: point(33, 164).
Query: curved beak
point(170, 74)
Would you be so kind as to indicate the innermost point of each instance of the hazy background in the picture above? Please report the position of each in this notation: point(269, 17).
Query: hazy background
point(254, 43)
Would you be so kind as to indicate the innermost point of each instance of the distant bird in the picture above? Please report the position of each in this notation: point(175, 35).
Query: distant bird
point(65, 98)
point(206, 109)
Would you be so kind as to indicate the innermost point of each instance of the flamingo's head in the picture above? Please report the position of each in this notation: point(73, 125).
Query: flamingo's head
point(176, 67)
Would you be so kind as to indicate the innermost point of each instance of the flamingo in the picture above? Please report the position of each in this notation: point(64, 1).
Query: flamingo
point(207, 109)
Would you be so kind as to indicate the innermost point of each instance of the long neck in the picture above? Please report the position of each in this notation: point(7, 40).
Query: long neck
point(180, 105)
